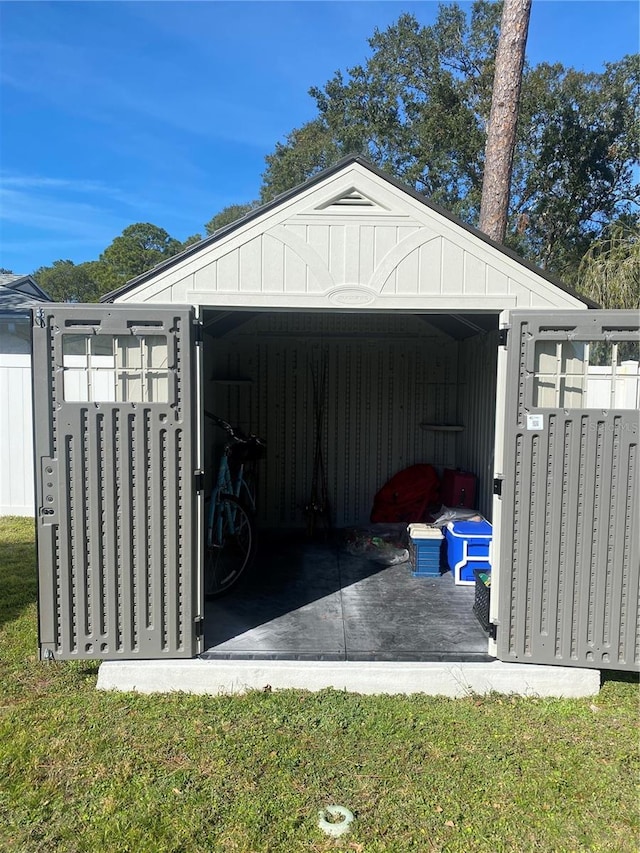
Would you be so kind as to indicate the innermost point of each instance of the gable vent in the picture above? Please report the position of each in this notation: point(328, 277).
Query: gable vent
point(352, 198)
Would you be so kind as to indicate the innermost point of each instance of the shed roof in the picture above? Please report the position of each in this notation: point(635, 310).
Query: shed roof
point(350, 201)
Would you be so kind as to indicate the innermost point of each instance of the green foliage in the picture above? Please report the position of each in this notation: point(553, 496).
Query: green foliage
point(191, 241)
point(418, 108)
point(307, 150)
point(610, 270)
point(579, 144)
point(65, 281)
point(83, 770)
point(228, 215)
point(139, 248)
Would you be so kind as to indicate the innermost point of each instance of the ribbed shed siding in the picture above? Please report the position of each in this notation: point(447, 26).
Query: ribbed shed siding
point(477, 366)
point(385, 378)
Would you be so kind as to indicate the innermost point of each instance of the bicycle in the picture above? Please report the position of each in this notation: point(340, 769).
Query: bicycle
point(230, 533)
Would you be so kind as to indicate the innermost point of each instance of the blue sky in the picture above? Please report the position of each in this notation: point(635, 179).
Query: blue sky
point(163, 112)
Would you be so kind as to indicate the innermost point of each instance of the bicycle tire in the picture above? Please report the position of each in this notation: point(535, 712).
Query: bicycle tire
point(228, 561)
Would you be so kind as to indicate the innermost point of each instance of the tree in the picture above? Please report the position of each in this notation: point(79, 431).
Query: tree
point(419, 108)
point(139, 248)
point(191, 241)
point(307, 150)
point(579, 147)
point(503, 119)
point(610, 270)
point(4, 271)
point(65, 281)
point(228, 215)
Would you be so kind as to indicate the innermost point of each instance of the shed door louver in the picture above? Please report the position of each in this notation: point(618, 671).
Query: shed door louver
point(568, 584)
point(114, 448)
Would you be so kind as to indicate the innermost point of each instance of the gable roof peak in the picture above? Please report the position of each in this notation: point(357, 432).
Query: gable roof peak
point(344, 201)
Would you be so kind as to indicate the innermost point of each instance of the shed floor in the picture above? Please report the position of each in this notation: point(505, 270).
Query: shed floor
point(312, 600)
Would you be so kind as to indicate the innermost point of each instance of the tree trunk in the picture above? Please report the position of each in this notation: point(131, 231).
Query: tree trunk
point(501, 133)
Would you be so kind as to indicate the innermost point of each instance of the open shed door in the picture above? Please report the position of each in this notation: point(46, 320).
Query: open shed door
point(569, 554)
point(115, 449)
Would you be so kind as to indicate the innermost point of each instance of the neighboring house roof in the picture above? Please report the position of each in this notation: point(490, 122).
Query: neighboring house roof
point(343, 164)
point(19, 293)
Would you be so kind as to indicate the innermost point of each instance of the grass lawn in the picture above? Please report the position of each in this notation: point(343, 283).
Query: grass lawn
point(88, 771)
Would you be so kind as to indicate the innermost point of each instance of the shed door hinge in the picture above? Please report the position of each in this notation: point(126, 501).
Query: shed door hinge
point(198, 331)
point(493, 631)
point(199, 626)
point(199, 481)
point(503, 334)
point(497, 486)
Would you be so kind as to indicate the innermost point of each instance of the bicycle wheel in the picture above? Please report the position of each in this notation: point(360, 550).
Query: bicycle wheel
point(229, 558)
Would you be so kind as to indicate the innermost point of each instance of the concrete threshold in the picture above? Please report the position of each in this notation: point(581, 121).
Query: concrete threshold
point(431, 678)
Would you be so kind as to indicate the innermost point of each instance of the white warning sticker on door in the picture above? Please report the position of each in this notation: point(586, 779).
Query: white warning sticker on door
point(535, 421)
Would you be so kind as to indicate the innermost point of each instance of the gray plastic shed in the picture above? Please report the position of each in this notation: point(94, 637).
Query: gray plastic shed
point(440, 346)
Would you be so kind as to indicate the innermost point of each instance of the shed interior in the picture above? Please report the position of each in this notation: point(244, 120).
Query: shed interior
point(391, 390)
point(398, 389)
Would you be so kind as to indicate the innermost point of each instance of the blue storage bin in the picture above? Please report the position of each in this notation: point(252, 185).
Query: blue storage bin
point(425, 550)
point(468, 548)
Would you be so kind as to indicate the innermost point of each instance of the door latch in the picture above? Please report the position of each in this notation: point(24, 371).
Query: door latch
point(48, 509)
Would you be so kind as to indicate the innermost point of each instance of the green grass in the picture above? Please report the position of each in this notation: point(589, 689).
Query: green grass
point(88, 771)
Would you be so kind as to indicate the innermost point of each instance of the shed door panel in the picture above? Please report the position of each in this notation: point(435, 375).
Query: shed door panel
point(568, 583)
point(114, 429)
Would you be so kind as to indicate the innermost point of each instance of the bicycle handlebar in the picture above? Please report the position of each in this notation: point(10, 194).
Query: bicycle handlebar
point(234, 433)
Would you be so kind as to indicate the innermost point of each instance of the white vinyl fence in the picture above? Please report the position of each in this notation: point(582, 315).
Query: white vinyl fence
point(619, 390)
point(16, 421)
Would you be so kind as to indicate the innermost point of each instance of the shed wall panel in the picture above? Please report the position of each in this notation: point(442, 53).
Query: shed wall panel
point(497, 281)
point(477, 373)
point(367, 248)
point(384, 377)
point(408, 278)
point(475, 274)
point(250, 265)
point(337, 248)
point(452, 268)
point(430, 271)
point(228, 272)
point(272, 265)
point(296, 272)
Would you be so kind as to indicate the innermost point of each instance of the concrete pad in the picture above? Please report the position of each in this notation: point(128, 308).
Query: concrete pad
point(435, 679)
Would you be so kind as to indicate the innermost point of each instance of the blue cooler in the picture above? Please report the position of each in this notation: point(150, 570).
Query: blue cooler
point(468, 548)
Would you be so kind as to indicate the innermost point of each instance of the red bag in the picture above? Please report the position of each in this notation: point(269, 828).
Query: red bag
point(407, 496)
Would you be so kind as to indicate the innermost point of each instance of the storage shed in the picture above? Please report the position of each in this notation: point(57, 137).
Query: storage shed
point(435, 344)
point(18, 293)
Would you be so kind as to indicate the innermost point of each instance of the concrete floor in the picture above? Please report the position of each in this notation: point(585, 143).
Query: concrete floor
point(315, 617)
point(311, 600)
